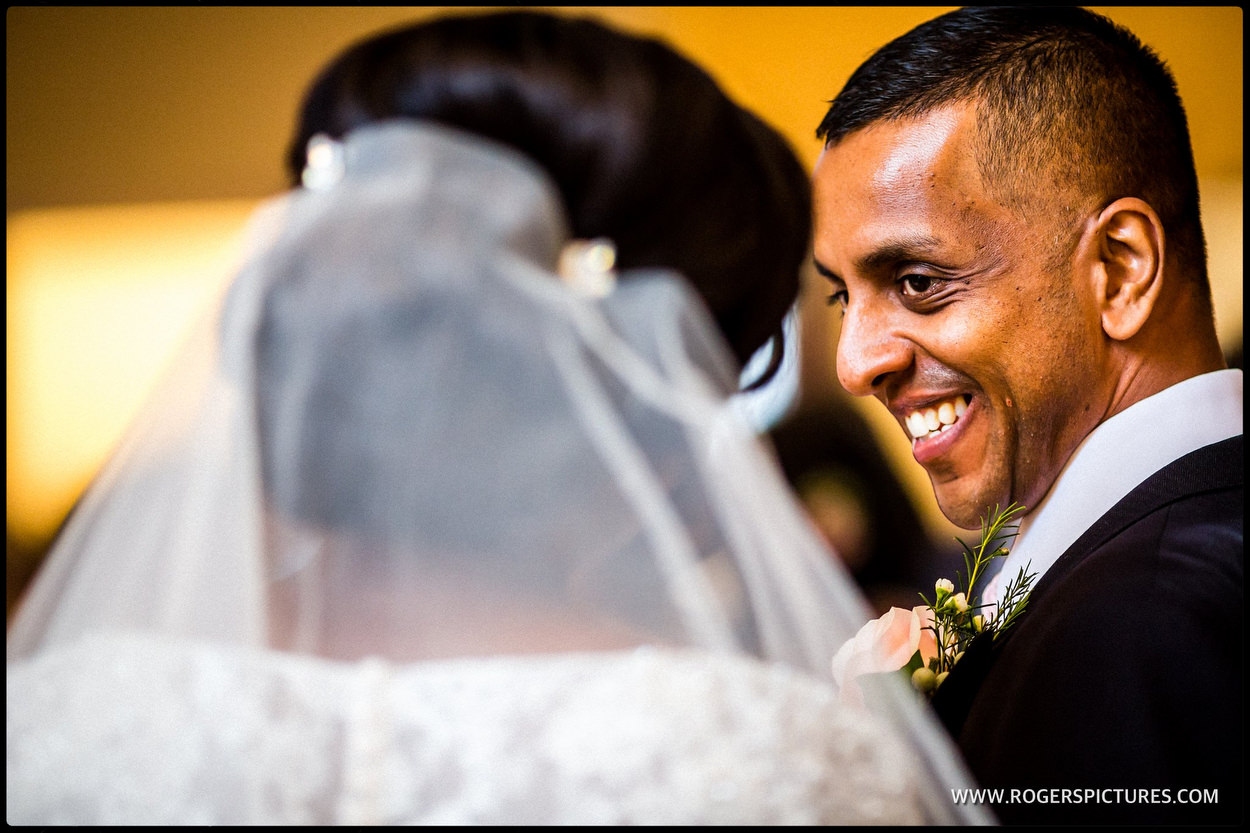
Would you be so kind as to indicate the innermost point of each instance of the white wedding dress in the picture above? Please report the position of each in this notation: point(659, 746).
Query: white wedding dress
point(638, 737)
point(418, 532)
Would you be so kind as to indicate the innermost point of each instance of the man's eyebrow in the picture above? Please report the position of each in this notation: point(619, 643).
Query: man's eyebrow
point(892, 251)
point(825, 270)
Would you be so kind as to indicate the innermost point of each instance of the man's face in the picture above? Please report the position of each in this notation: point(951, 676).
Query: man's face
point(959, 314)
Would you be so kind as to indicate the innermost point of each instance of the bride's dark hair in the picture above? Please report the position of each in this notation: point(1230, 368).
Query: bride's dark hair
point(643, 145)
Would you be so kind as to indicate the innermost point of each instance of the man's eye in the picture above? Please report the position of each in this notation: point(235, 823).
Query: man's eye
point(837, 299)
point(917, 285)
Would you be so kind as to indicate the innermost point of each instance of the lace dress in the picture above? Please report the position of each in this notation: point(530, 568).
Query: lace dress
point(164, 732)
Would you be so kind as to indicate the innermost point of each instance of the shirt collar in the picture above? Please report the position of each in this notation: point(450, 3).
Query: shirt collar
point(1115, 457)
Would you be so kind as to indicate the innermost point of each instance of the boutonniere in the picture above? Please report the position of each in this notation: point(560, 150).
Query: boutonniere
point(927, 641)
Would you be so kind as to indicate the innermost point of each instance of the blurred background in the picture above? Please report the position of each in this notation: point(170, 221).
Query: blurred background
point(139, 139)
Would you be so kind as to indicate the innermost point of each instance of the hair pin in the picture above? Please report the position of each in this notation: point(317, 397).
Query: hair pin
point(325, 163)
point(588, 266)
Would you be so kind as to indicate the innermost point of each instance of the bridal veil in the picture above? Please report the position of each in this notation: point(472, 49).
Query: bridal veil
point(402, 440)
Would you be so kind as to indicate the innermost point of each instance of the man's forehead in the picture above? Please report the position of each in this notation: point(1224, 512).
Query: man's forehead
point(900, 182)
point(889, 155)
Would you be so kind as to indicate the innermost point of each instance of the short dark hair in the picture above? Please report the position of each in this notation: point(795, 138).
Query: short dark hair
point(644, 146)
point(1059, 89)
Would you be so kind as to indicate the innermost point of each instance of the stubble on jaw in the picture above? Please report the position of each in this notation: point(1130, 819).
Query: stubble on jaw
point(1044, 360)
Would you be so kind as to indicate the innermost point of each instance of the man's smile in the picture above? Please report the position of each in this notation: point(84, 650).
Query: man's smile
point(936, 418)
point(935, 427)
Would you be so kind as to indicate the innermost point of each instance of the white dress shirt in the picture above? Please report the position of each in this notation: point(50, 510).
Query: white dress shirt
point(1115, 458)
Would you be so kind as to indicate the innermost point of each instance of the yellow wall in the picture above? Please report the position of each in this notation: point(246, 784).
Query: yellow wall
point(138, 104)
point(138, 138)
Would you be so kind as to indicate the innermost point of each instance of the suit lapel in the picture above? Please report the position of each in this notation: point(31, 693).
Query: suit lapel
point(1216, 466)
point(953, 700)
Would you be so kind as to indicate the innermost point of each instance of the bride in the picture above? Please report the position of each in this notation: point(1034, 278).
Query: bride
point(443, 517)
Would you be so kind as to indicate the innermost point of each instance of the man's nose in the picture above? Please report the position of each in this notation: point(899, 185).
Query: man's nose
point(869, 350)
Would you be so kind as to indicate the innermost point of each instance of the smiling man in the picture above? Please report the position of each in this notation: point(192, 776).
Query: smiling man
point(1007, 211)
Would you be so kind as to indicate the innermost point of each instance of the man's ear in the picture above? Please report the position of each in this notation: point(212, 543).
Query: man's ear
point(1130, 250)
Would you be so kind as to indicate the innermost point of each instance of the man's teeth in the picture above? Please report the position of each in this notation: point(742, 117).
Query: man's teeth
point(934, 420)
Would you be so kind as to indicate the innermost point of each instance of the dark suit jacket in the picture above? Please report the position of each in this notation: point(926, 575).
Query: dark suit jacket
point(1126, 671)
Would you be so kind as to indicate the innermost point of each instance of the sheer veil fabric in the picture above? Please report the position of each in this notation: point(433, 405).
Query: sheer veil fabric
point(414, 531)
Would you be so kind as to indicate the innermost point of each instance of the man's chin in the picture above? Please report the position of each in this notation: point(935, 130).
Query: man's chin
point(964, 508)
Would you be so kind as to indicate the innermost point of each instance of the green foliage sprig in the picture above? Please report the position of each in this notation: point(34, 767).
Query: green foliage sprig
point(958, 616)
